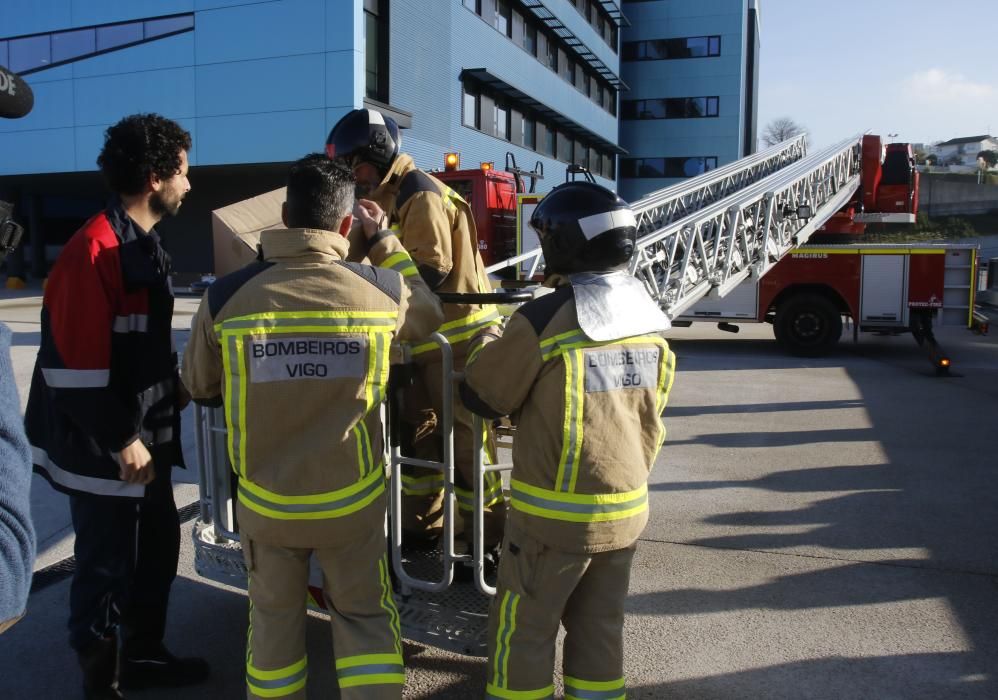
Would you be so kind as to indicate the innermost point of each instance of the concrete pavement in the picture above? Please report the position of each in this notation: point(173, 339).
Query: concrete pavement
point(820, 529)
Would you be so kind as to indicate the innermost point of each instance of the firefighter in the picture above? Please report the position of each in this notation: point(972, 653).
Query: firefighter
point(436, 226)
point(296, 348)
point(588, 373)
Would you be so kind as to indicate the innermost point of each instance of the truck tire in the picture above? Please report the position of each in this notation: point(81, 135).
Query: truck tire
point(807, 325)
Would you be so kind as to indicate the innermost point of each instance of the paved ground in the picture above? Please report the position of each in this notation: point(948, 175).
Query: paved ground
point(820, 529)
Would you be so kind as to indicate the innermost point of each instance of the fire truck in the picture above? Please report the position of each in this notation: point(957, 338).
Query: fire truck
point(699, 242)
point(883, 289)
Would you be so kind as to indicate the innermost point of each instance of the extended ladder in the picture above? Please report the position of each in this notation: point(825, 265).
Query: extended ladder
point(709, 234)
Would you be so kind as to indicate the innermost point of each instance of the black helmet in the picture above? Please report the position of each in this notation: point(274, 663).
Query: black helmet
point(365, 135)
point(584, 228)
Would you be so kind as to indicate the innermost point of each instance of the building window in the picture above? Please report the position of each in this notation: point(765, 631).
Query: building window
point(529, 133)
point(666, 167)
point(500, 120)
point(550, 53)
point(470, 110)
point(564, 152)
point(376, 49)
point(70, 45)
point(473, 5)
point(530, 39)
point(670, 108)
point(503, 18)
point(118, 35)
point(29, 54)
point(668, 49)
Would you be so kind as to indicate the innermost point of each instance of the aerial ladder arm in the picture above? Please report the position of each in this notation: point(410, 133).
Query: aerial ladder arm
point(709, 234)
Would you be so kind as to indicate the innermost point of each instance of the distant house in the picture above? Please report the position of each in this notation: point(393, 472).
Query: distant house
point(962, 152)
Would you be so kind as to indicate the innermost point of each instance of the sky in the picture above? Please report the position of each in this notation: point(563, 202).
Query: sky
point(926, 70)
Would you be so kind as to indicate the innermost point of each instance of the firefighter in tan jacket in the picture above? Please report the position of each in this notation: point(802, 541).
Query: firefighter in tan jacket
point(587, 373)
point(436, 226)
point(296, 348)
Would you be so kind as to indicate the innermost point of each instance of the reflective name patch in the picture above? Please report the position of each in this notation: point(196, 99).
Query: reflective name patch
point(284, 359)
point(621, 368)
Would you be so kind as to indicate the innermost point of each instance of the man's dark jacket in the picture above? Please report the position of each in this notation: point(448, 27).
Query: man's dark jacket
point(107, 369)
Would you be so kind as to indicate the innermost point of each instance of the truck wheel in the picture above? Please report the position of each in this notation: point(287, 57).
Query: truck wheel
point(807, 325)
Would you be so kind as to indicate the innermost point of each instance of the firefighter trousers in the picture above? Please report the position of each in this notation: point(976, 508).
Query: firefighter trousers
point(423, 488)
point(367, 640)
point(540, 587)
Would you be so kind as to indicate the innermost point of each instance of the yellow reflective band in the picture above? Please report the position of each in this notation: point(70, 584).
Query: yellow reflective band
point(577, 507)
point(577, 689)
point(491, 496)
point(422, 485)
point(277, 683)
point(338, 321)
point(666, 377)
point(573, 340)
point(493, 691)
point(388, 604)
point(504, 636)
point(463, 328)
point(333, 504)
point(370, 669)
point(401, 263)
point(579, 684)
point(571, 446)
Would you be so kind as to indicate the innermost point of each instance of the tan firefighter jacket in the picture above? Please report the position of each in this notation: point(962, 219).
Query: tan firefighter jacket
point(588, 418)
point(296, 347)
point(436, 226)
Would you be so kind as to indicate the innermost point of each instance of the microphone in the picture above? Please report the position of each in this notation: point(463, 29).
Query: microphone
point(16, 98)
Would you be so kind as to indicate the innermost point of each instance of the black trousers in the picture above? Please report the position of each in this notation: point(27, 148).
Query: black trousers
point(126, 559)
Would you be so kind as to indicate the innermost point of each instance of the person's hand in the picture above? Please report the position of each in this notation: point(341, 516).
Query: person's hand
point(135, 463)
point(370, 215)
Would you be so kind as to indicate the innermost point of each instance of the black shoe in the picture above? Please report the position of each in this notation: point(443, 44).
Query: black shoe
point(151, 665)
point(464, 572)
point(99, 662)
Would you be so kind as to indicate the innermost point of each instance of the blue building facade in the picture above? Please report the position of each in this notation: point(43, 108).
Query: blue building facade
point(692, 70)
point(259, 84)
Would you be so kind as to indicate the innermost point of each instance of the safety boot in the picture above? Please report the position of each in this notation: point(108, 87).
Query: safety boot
point(146, 664)
point(99, 662)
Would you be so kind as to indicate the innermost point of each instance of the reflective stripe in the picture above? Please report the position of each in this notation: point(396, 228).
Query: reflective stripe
point(493, 692)
point(491, 495)
point(133, 322)
point(577, 689)
point(388, 604)
point(234, 366)
point(76, 378)
point(85, 484)
point(463, 328)
point(422, 485)
point(450, 197)
point(401, 263)
point(279, 682)
point(577, 507)
point(375, 381)
point(576, 339)
point(333, 504)
point(310, 321)
point(571, 445)
point(370, 669)
point(504, 635)
point(667, 375)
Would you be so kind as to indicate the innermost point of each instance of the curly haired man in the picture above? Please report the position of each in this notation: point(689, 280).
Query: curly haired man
point(103, 413)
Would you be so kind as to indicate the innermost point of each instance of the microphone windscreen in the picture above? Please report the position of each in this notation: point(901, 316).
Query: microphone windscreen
point(16, 98)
